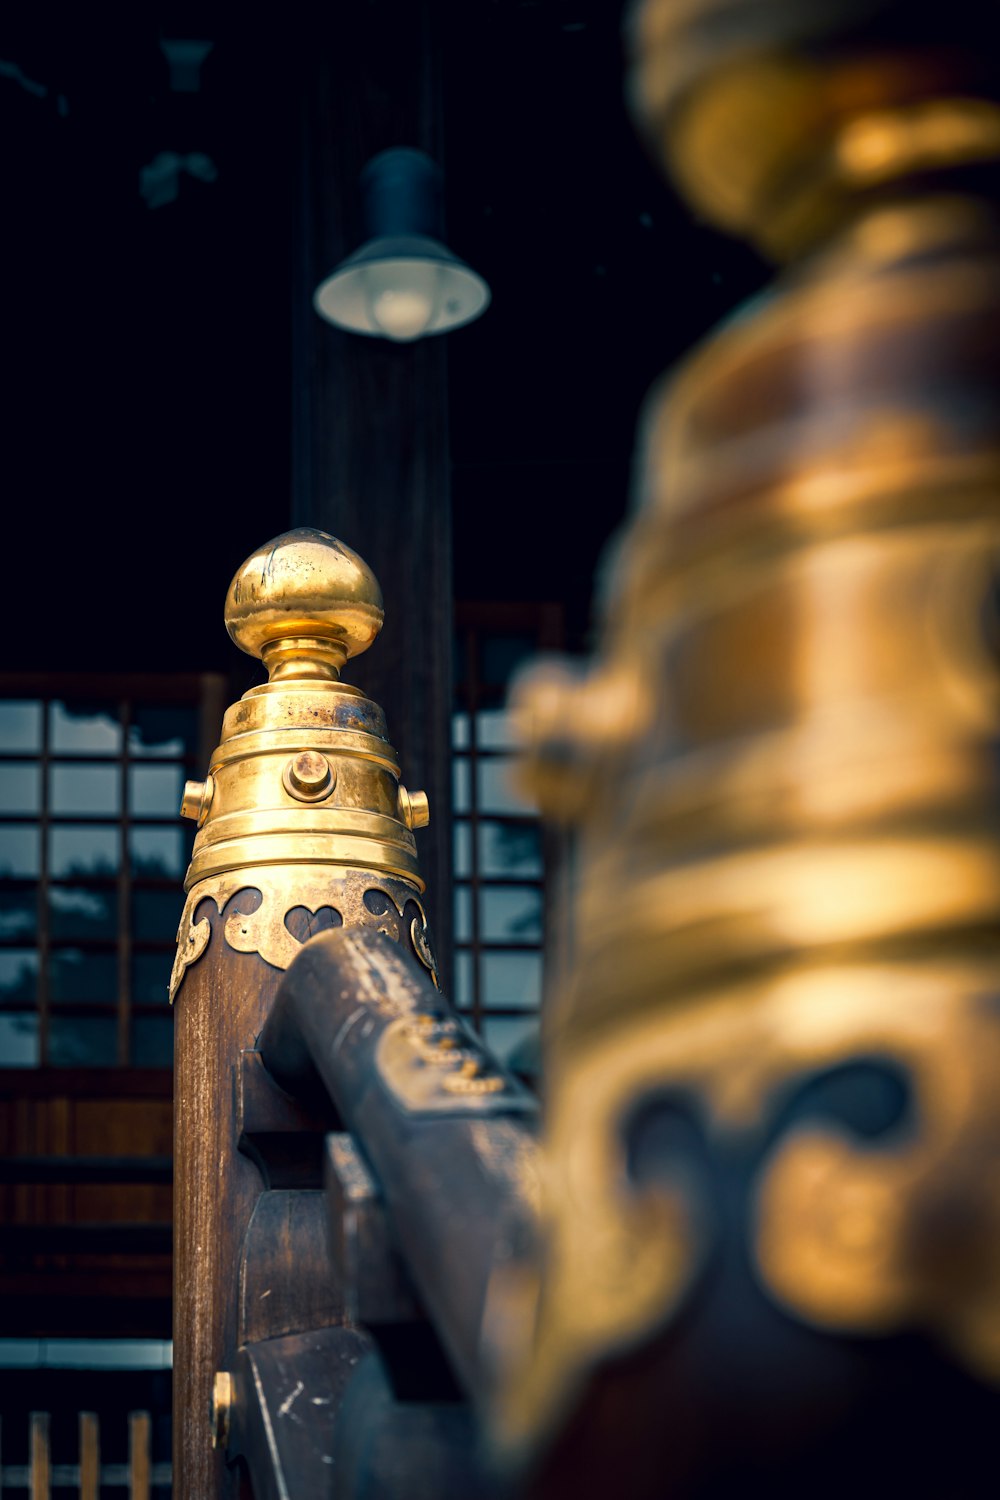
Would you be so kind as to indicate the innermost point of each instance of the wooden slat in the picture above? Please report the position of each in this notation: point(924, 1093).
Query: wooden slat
point(139, 1455)
point(124, 896)
point(86, 1083)
point(110, 1238)
point(41, 1465)
point(90, 1456)
point(87, 1169)
point(42, 899)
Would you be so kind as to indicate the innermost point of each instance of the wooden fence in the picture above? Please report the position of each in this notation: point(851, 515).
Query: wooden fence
point(87, 1476)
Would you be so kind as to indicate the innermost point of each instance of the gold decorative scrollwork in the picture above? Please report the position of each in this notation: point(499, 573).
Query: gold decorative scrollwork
point(874, 1237)
point(192, 940)
point(360, 898)
point(616, 1261)
point(420, 938)
point(264, 931)
point(856, 1236)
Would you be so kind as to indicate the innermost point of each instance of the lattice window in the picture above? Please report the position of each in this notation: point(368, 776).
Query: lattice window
point(92, 853)
point(500, 900)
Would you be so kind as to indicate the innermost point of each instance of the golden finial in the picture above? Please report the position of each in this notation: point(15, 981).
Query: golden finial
point(302, 801)
point(304, 603)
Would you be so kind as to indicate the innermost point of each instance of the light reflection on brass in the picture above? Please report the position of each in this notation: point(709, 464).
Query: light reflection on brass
point(875, 147)
point(308, 777)
point(875, 1237)
point(304, 603)
point(414, 809)
point(197, 800)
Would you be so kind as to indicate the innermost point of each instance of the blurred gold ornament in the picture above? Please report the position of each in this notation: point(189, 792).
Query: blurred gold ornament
point(783, 771)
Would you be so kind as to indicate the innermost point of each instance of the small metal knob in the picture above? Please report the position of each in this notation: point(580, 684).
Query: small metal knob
point(309, 777)
point(414, 809)
point(221, 1408)
point(197, 799)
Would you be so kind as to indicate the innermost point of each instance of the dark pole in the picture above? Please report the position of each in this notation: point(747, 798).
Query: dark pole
point(370, 435)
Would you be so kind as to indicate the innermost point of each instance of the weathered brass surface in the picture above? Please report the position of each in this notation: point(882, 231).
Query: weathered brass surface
point(222, 1405)
point(783, 769)
point(304, 603)
point(261, 901)
point(308, 777)
point(302, 802)
point(413, 808)
point(197, 799)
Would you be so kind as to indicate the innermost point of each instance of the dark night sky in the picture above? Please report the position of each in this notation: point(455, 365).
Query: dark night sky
point(146, 351)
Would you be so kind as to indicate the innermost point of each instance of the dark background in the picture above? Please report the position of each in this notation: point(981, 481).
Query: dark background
point(147, 350)
point(151, 346)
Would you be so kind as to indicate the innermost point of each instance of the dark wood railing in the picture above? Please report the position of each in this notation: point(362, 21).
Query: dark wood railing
point(427, 1166)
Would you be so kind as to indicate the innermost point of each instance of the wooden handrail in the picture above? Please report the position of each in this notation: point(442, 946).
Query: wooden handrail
point(454, 1165)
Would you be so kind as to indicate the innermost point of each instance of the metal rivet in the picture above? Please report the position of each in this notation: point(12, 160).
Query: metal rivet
point(197, 799)
point(221, 1410)
point(414, 809)
point(308, 777)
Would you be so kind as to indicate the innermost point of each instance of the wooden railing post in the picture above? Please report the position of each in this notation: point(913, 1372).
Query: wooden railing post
point(90, 1456)
point(41, 1462)
point(140, 1474)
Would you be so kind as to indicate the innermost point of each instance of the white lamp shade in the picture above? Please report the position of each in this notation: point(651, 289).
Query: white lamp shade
point(402, 287)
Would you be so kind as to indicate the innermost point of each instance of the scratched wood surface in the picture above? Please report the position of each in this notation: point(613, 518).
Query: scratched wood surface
point(219, 1011)
point(286, 1280)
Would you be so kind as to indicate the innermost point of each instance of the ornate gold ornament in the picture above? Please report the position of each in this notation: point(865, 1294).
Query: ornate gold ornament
point(862, 1236)
point(259, 903)
point(783, 768)
point(302, 806)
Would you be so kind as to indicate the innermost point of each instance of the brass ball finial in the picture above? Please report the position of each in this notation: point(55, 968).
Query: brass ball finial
point(304, 603)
